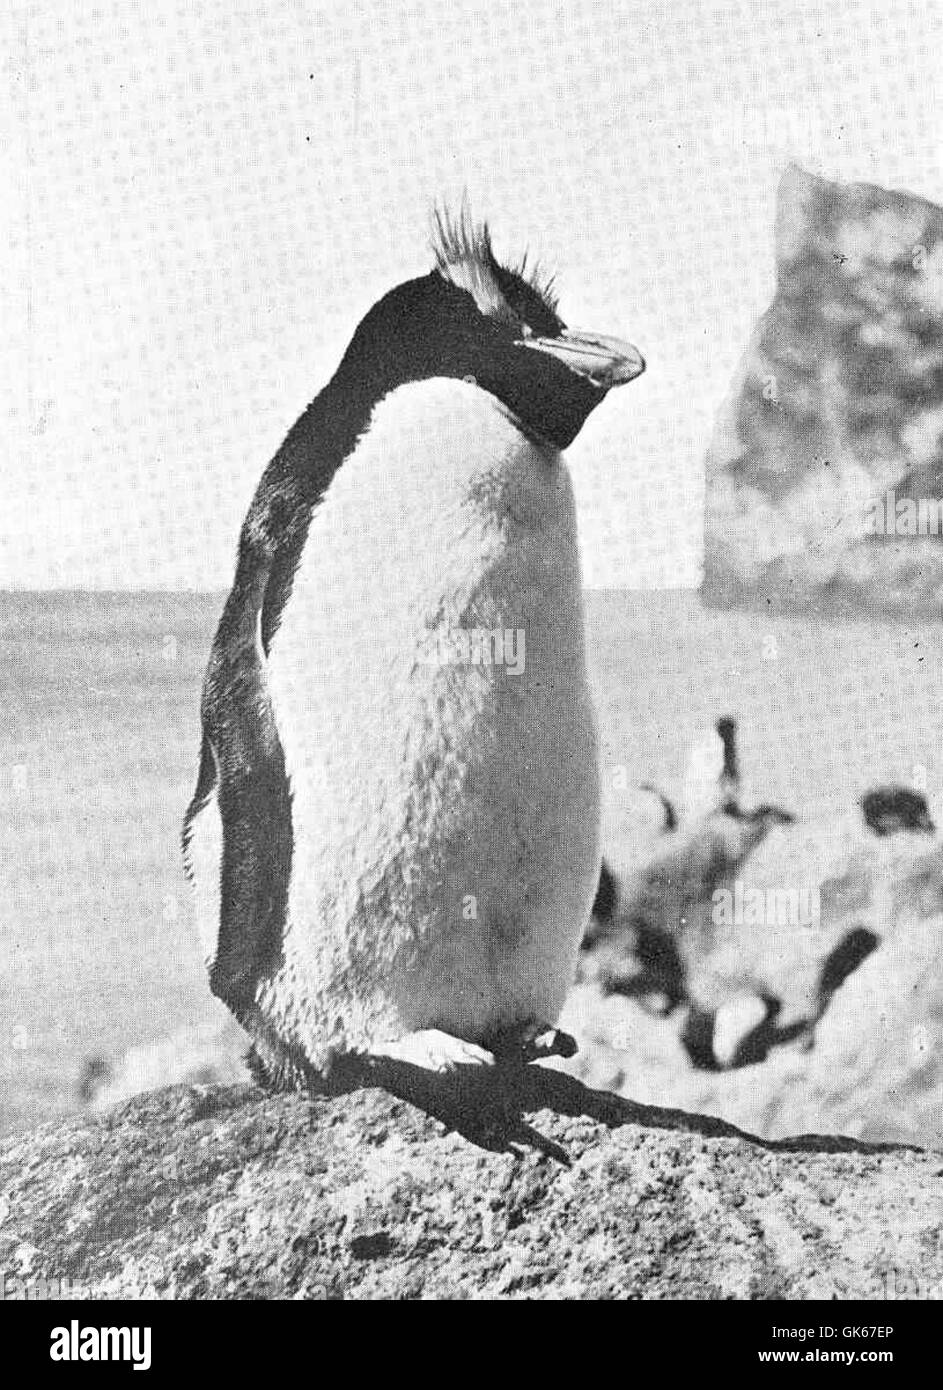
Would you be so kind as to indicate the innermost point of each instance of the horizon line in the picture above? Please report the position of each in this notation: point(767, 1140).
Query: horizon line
point(143, 590)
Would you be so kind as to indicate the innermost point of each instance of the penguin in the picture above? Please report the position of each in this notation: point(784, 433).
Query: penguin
point(705, 785)
point(712, 785)
point(651, 928)
point(394, 837)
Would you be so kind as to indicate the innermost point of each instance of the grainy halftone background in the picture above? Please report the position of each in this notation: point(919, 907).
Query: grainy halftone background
point(203, 201)
point(206, 198)
point(99, 733)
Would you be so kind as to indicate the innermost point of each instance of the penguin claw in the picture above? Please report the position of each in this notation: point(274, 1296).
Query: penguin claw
point(534, 1045)
point(552, 1042)
point(435, 1051)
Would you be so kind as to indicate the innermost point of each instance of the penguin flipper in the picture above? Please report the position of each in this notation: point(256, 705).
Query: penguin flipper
point(254, 803)
point(242, 766)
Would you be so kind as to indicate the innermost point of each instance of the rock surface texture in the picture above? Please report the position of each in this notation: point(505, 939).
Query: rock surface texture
point(838, 406)
point(551, 1190)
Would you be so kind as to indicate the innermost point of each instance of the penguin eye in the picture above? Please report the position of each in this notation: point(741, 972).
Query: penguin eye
point(525, 330)
point(529, 304)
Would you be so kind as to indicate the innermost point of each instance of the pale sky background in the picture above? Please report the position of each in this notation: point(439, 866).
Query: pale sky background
point(202, 199)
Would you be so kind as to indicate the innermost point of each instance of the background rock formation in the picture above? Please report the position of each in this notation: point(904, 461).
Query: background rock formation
point(839, 401)
point(221, 1192)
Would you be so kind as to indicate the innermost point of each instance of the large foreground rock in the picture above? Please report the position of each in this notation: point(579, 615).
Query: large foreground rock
point(838, 404)
point(223, 1192)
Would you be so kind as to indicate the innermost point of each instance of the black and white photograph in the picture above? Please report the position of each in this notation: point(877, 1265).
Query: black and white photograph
point(471, 698)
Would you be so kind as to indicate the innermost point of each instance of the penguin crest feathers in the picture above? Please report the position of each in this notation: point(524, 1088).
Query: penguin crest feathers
point(521, 295)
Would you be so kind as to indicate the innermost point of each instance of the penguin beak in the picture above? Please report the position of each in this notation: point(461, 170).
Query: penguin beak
point(606, 362)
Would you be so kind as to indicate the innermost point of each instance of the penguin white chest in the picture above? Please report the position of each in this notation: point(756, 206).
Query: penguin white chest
point(429, 689)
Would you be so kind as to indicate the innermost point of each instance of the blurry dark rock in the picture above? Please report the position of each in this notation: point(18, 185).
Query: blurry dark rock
point(833, 433)
point(889, 810)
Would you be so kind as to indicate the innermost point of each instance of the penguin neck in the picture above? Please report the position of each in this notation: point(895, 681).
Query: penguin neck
point(329, 431)
point(444, 448)
point(446, 499)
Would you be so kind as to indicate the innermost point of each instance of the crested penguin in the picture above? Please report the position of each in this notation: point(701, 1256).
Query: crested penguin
point(394, 837)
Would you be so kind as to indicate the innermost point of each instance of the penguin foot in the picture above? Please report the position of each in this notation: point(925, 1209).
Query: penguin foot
point(552, 1042)
point(533, 1044)
point(469, 1089)
point(435, 1051)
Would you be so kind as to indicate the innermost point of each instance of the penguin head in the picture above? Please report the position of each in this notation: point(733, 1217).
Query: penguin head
point(474, 319)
